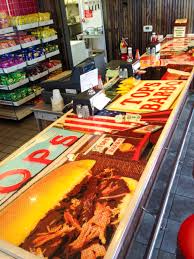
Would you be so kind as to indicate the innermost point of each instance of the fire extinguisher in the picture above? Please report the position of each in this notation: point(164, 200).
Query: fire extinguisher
point(123, 49)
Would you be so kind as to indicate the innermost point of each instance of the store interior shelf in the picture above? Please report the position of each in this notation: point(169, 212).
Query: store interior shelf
point(34, 25)
point(38, 76)
point(36, 60)
point(45, 23)
point(18, 103)
point(15, 113)
point(54, 68)
point(13, 68)
point(30, 44)
point(6, 30)
point(10, 49)
point(53, 53)
point(45, 40)
point(14, 86)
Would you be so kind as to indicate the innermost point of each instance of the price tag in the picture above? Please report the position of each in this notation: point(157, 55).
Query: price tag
point(132, 117)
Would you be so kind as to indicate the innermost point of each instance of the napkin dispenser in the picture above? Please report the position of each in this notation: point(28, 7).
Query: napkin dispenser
point(128, 69)
point(84, 104)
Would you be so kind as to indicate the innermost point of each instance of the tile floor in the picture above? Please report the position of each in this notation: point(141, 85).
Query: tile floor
point(14, 134)
point(181, 201)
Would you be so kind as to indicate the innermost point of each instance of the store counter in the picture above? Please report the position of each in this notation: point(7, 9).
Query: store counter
point(90, 205)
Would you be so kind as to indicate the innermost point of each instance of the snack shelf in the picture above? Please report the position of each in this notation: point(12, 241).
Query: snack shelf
point(45, 40)
point(13, 68)
point(36, 77)
point(18, 103)
point(54, 68)
point(34, 25)
point(45, 23)
point(10, 49)
point(30, 44)
point(27, 26)
point(35, 60)
point(16, 85)
point(6, 30)
point(53, 53)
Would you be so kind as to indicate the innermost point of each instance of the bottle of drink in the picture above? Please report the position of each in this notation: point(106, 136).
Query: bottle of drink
point(154, 37)
point(130, 55)
point(137, 55)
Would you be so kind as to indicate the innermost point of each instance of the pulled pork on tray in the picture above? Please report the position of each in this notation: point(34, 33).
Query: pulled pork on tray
point(82, 224)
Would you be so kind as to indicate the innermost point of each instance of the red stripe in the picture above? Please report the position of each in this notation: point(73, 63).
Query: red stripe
point(140, 147)
point(77, 128)
point(97, 125)
point(102, 119)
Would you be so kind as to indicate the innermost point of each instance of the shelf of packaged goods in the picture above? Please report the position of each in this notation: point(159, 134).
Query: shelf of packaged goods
point(51, 54)
point(13, 86)
point(18, 103)
point(54, 68)
point(6, 30)
point(48, 39)
point(17, 113)
point(13, 68)
point(34, 25)
point(30, 44)
point(27, 26)
point(10, 49)
point(45, 23)
point(35, 60)
point(36, 77)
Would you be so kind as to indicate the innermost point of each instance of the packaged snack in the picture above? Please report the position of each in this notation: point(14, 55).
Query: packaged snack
point(4, 20)
point(44, 16)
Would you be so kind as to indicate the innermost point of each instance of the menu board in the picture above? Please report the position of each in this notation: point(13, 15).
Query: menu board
point(149, 96)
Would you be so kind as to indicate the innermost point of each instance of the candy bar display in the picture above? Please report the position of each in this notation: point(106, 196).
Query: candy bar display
point(12, 78)
point(33, 52)
point(9, 60)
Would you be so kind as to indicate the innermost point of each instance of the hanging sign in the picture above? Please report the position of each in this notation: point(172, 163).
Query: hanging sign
point(149, 96)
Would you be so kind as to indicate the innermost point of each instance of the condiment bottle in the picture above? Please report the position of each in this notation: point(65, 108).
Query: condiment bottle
point(137, 55)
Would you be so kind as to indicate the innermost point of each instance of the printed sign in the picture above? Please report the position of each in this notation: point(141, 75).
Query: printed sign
point(149, 96)
point(19, 170)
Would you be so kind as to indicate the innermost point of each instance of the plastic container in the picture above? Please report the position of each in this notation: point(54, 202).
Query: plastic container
point(57, 101)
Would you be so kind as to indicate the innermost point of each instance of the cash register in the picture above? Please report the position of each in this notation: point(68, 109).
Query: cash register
point(69, 87)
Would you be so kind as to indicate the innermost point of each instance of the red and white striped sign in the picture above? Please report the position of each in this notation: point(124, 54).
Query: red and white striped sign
point(97, 124)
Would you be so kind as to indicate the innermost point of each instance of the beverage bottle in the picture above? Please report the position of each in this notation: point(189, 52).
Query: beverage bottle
point(130, 55)
point(154, 37)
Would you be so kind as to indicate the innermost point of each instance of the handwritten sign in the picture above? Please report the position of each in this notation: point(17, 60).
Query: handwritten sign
point(149, 96)
point(20, 169)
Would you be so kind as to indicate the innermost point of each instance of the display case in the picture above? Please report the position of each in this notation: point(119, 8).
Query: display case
point(85, 179)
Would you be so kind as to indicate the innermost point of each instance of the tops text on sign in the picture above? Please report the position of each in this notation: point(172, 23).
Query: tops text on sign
point(149, 96)
point(22, 168)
